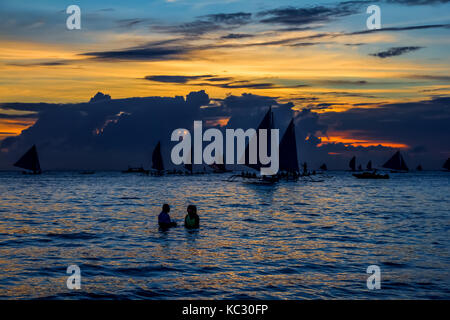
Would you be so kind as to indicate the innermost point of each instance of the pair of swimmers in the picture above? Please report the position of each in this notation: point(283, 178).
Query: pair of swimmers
point(191, 221)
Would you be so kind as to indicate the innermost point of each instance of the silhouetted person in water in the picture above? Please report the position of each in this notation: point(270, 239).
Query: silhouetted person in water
point(192, 220)
point(164, 220)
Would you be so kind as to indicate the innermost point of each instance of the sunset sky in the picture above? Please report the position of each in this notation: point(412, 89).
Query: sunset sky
point(319, 56)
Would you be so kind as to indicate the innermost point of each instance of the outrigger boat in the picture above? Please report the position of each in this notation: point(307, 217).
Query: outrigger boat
point(288, 165)
point(136, 170)
point(370, 175)
point(29, 161)
point(248, 178)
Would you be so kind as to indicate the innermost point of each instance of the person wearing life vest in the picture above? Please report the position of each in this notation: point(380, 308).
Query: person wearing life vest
point(192, 220)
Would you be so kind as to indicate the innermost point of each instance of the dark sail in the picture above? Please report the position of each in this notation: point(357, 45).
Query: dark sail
point(266, 123)
point(29, 161)
point(419, 168)
point(352, 164)
point(288, 150)
point(369, 165)
point(157, 160)
point(188, 166)
point(447, 164)
point(323, 167)
point(396, 163)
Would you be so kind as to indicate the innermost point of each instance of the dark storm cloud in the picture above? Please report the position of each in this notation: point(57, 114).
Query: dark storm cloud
point(396, 51)
point(112, 133)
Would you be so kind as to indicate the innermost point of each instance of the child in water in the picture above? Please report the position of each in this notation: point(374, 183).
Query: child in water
point(192, 220)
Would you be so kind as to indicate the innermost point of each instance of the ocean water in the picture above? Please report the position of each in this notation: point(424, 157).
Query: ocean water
point(294, 240)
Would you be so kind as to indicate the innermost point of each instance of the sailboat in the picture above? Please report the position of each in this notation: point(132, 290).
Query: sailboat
point(396, 163)
point(268, 124)
point(352, 163)
point(288, 153)
point(188, 166)
point(369, 165)
point(446, 165)
point(30, 161)
point(419, 168)
point(157, 161)
point(323, 167)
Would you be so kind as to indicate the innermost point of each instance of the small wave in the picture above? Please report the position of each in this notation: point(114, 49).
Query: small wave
point(73, 236)
point(394, 264)
point(143, 271)
point(300, 204)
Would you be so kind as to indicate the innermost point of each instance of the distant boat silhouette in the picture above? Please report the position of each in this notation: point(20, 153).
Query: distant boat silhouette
point(30, 161)
point(419, 168)
point(360, 168)
point(369, 165)
point(396, 163)
point(370, 175)
point(323, 167)
point(288, 150)
point(135, 170)
point(157, 160)
point(352, 163)
point(87, 172)
point(219, 168)
point(447, 165)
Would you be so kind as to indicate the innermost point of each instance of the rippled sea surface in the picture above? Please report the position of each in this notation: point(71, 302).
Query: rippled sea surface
point(304, 240)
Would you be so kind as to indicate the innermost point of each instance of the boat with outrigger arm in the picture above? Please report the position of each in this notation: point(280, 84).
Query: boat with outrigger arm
point(396, 164)
point(288, 159)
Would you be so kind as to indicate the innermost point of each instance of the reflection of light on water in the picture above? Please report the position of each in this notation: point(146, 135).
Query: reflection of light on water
point(293, 240)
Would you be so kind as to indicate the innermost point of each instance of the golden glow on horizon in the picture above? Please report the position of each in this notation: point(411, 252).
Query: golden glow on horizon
point(349, 141)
